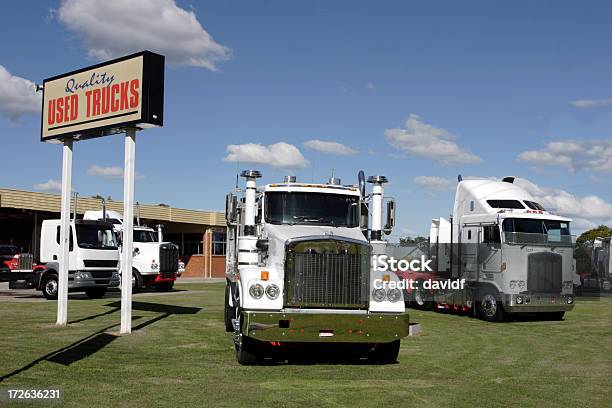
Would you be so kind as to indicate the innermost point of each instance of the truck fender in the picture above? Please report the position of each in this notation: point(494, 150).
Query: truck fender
point(480, 287)
point(50, 267)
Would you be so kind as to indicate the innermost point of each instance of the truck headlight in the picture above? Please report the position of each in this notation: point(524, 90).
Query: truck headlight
point(512, 284)
point(115, 276)
point(378, 295)
point(256, 291)
point(272, 291)
point(569, 300)
point(394, 295)
point(521, 284)
point(181, 266)
point(82, 275)
point(519, 300)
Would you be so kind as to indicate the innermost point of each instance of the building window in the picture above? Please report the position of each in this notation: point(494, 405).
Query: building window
point(219, 239)
point(193, 244)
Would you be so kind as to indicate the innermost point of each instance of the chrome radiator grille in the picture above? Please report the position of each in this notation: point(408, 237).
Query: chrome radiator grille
point(544, 273)
point(26, 261)
point(168, 257)
point(327, 274)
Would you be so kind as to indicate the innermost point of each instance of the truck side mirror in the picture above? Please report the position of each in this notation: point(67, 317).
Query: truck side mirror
point(231, 205)
point(390, 217)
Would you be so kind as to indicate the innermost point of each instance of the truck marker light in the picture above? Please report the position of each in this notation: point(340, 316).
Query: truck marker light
point(386, 278)
point(503, 266)
point(265, 275)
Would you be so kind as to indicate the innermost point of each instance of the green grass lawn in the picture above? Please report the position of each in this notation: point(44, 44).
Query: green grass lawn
point(180, 355)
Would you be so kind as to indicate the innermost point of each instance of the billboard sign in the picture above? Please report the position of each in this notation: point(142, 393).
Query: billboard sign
point(104, 99)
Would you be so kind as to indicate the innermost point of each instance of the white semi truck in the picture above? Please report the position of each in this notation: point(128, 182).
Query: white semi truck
point(93, 258)
point(299, 269)
point(514, 256)
point(155, 263)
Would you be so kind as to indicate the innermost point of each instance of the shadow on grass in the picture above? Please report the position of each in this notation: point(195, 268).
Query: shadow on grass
point(95, 342)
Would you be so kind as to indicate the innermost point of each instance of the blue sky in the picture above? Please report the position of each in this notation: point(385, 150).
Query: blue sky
point(517, 88)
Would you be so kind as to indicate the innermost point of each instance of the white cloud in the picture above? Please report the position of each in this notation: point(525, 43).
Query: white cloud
point(280, 154)
point(109, 172)
point(434, 183)
point(53, 186)
point(590, 103)
point(113, 28)
point(370, 86)
point(329, 147)
point(422, 139)
point(18, 96)
point(589, 211)
point(593, 155)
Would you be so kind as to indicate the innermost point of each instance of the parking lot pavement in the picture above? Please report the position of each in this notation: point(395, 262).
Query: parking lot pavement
point(31, 295)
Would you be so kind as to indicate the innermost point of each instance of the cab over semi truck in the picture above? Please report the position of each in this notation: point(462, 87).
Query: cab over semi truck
point(515, 256)
point(299, 269)
point(17, 268)
point(93, 258)
point(155, 263)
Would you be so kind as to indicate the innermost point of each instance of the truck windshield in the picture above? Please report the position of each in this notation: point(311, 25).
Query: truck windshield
point(312, 209)
point(145, 236)
point(96, 237)
point(536, 231)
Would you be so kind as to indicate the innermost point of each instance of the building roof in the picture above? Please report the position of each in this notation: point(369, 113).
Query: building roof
point(29, 200)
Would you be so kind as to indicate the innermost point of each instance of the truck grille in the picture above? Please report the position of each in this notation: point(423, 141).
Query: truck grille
point(99, 263)
point(168, 257)
point(26, 261)
point(544, 273)
point(327, 274)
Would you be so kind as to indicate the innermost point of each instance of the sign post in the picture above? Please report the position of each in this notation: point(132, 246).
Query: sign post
point(122, 95)
point(64, 261)
point(128, 235)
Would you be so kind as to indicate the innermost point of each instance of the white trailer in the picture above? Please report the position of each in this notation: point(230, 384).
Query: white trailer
point(515, 256)
point(155, 262)
point(92, 261)
point(299, 269)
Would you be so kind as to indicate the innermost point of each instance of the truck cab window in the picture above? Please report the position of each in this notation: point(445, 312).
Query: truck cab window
point(57, 238)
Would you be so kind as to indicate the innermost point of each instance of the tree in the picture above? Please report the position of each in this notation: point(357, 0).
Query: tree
point(408, 241)
point(589, 236)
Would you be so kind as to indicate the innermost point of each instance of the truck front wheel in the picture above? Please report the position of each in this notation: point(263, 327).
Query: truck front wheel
point(95, 293)
point(490, 307)
point(50, 286)
point(385, 353)
point(136, 281)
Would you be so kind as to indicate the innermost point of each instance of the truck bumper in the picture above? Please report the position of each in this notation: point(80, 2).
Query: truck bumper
point(325, 327)
point(530, 303)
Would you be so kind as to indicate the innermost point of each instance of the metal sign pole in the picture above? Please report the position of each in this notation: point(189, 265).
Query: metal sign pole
point(64, 264)
point(128, 228)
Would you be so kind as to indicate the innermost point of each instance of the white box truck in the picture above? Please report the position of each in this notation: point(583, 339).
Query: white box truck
point(515, 256)
point(93, 258)
point(299, 269)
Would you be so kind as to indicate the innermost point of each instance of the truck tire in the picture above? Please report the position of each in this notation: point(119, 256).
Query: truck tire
point(385, 353)
point(164, 286)
point(246, 352)
point(49, 286)
point(136, 281)
point(422, 299)
point(229, 312)
point(95, 293)
point(490, 307)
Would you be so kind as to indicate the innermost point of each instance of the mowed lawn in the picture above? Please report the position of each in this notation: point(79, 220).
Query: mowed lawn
point(180, 355)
